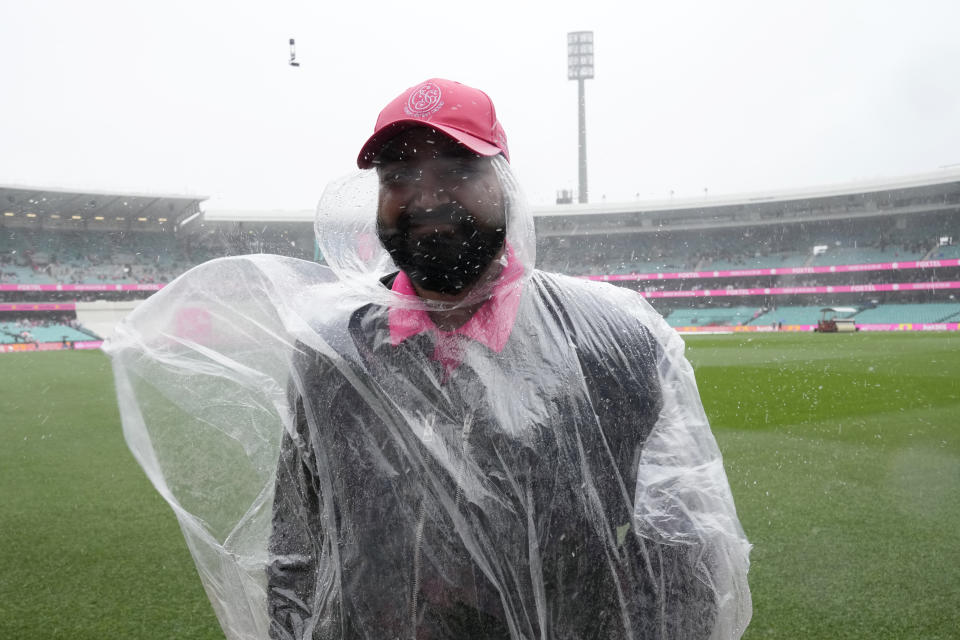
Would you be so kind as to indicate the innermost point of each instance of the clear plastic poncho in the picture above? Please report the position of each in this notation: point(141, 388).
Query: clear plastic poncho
point(333, 484)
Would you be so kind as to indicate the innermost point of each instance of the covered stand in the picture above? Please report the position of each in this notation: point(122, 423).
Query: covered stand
point(556, 480)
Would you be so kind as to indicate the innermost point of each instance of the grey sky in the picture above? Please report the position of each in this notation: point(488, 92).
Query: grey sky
point(196, 96)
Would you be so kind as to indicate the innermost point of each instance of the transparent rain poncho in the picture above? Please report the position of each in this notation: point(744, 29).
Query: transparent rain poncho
point(331, 483)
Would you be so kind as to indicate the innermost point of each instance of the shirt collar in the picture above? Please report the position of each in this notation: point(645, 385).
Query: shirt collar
point(490, 325)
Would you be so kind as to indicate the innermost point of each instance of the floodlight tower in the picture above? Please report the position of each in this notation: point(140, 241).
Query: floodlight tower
point(580, 68)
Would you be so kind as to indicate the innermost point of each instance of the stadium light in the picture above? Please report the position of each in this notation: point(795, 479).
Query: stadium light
point(580, 68)
point(9, 214)
point(161, 219)
point(141, 219)
point(98, 217)
point(31, 215)
point(55, 216)
point(76, 217)
point(293, 53)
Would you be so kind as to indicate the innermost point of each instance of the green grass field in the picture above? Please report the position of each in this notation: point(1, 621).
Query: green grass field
point(843, 452)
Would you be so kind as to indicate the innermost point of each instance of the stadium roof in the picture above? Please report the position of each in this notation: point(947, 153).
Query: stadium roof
point(259, 215)
point(853, 188)
point(933, 178)
point(18, 201)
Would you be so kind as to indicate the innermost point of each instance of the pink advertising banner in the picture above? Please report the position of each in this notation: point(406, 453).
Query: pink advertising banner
point(912, 326)
point(679, 275)
point(759, 328)
point(80, 287)
point(781, 271)
point(38, 306)
point(49, 346)
point(780, 291)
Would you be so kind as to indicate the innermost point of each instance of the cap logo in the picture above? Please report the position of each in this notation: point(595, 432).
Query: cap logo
point(424, 101)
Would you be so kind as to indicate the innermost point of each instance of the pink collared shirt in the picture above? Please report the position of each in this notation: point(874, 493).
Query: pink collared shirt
point(490, 325)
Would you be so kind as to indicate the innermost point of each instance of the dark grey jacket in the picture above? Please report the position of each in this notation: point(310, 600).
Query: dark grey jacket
point(496, 504)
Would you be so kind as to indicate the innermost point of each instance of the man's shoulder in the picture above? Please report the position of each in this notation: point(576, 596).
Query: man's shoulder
point(603, 318)
point(580, 286)
point(333, 339)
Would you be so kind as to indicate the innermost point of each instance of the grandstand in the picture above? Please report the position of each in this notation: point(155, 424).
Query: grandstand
point(715, 315)
point(60, 245)
point(889, 248)
point(26, 327)
point(14, 332)
point(934, 312)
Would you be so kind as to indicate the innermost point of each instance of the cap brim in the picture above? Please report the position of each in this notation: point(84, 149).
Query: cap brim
point(371, 149)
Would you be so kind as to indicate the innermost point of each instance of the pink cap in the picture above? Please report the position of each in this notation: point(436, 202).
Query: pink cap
point(463, 113)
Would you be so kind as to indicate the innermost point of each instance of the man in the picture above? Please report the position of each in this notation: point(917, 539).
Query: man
point(505, 453)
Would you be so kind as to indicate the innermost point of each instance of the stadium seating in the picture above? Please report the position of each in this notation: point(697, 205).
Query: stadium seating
point(791, 314)
point(880, 314)
point(775, 261)
point(24, 275)
point(87, 257)
point(864, 255)
point(45, 257)
point(900, 313)
point(847, 242)
point(10, 333)
point(945, 253)
point(82, 257)
point(722, 316)
point(56, 333)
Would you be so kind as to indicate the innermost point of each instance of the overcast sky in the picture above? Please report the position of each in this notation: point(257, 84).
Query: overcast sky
point(196, 96)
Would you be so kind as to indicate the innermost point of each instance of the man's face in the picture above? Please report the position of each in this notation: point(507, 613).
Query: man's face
point(441, 213)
